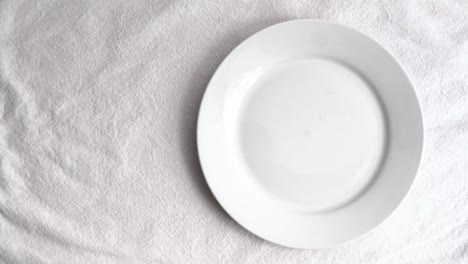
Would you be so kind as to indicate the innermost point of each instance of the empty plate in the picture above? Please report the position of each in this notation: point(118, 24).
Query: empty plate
point(309, 134)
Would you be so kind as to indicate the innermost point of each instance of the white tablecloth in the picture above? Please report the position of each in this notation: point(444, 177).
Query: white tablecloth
point(99, 101)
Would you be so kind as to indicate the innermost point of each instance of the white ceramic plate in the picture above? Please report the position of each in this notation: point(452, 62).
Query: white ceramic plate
point(309, 134)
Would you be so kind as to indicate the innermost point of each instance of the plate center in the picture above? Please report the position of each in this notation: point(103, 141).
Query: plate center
point(312, 133)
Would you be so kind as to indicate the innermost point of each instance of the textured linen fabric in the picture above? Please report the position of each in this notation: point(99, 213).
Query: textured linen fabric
point(98, 110)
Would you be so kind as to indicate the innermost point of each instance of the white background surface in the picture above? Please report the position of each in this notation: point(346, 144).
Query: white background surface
point(97, 140)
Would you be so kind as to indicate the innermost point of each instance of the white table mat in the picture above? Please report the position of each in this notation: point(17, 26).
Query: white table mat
point(99, 101)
